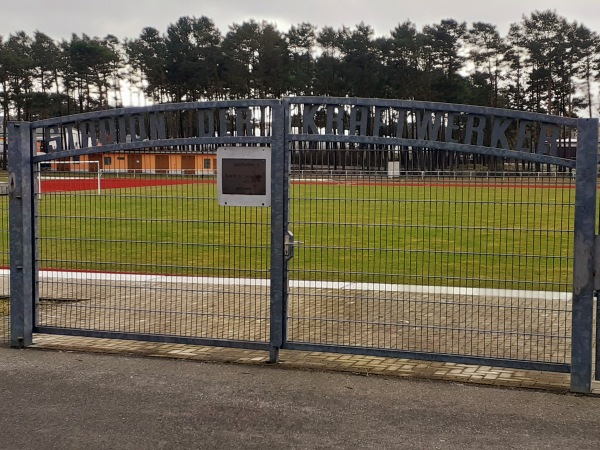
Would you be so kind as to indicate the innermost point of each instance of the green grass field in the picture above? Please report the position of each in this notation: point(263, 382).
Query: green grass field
point(439, 235)
point(501, 237)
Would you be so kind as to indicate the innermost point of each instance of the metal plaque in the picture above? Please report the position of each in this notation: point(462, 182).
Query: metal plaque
point(244, 176)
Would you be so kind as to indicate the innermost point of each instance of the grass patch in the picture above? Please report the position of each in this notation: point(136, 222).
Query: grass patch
point(479, 236)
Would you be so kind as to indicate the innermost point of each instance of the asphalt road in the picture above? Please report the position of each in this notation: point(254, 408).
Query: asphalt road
point(68, 400)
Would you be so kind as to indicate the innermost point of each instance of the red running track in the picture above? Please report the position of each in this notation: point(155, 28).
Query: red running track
point(91, 184)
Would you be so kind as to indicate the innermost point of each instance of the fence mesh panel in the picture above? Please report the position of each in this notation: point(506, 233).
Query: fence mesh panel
point(474, 264)
point(151, 254)
point(4, 264)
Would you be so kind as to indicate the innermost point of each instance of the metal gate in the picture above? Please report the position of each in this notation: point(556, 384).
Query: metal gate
point(396, 228)
point(138, 248)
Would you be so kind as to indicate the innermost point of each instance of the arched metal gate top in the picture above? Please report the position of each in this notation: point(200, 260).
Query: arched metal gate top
point(373, 122)
point(438, 126)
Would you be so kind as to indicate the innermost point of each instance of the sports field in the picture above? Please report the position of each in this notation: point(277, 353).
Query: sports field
point(511, 234)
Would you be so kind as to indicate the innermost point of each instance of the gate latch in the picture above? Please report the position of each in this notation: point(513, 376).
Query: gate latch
point(289, 245)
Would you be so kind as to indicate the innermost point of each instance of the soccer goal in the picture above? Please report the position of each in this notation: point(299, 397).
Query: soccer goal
point(70, 171)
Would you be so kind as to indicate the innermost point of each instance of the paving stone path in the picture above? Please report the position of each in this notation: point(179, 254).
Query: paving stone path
point(477, 326)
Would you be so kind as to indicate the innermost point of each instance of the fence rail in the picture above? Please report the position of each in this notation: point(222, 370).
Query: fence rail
point(429, 174)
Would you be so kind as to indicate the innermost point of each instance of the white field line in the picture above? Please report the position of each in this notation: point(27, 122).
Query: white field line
point(95, 177)
point(373, 287)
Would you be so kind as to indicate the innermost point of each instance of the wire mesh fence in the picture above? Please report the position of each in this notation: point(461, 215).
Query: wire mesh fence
point(151, 254)
point(470, 266)
point(4, 264)
point(475, 266)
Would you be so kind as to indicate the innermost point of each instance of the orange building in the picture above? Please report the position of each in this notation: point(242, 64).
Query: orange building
point(150, 163)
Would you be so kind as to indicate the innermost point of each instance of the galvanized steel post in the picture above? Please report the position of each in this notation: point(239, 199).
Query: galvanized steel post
point(583, 265)
point(279, 219)
point(22, 254)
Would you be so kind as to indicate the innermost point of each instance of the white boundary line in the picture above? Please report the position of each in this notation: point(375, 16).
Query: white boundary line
point(371, 287)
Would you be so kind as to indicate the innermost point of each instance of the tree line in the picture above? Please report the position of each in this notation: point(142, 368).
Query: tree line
point(545, 63)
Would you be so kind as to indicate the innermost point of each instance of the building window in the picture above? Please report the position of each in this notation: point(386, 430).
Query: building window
point(107, 160)
point(207, 163)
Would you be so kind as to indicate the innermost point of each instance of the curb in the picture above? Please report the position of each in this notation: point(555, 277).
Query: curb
point(334, 362)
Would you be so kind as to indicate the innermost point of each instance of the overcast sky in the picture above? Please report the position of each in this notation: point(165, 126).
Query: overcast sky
point(126, 18)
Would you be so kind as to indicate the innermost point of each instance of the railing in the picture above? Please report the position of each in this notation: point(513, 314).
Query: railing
point(423, 174)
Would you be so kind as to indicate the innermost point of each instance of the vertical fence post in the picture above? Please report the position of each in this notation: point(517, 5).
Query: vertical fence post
point(583, 264)
point(278, 230)
point(99, 178)
point(21, 216)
